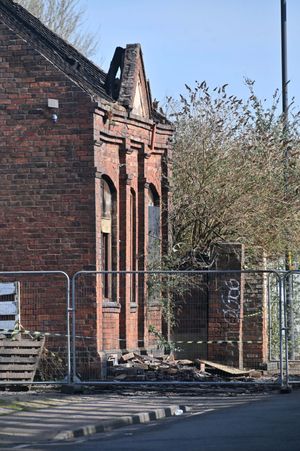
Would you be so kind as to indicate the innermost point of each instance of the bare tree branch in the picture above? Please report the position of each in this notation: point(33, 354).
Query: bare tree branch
point(229, 173)
point(64, 17)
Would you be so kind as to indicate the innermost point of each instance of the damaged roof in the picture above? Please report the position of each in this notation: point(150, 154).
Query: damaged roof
point(89, 76)
point(63, 55)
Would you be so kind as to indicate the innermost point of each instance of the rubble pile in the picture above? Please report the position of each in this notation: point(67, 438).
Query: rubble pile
point(135, 367)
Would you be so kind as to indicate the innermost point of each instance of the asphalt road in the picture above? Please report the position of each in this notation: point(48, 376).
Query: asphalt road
point(272, 424)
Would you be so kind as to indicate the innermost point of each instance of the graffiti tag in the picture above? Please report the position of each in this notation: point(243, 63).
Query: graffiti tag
point(231, 301)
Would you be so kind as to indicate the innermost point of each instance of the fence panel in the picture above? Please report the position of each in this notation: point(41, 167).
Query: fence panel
point(86, 336)
point(291, 335)
point(223, 317)
point(107, 320)
point(273, 303)
point(38, 311)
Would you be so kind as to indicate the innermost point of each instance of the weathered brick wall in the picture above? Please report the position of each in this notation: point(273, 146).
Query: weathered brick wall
point(255, 314)
point(237, 310)
point(46, 169)
point(47, 215)
point(225, 306)
point(50, 177)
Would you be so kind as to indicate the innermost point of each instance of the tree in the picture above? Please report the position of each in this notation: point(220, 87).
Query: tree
point(64, 18)
point(231, 178)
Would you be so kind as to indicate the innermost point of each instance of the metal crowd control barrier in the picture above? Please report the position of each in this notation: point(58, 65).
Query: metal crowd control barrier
point(212, 314)
point(291, 326)
point(218, 315)
point(35, 314)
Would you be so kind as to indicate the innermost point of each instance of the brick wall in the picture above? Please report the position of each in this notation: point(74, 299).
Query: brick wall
point(255, 314)
point(46, 178)
point(237, 310)
point(225, 307)
point(46, 169)
point(50, 182)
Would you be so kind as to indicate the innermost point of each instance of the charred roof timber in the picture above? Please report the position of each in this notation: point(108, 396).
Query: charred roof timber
point(112, 82)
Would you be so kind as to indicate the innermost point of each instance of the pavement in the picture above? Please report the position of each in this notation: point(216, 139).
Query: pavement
point(47, 416)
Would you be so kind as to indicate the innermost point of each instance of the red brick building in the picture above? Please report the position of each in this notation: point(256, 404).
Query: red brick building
point(84, 165)
point(83, 172)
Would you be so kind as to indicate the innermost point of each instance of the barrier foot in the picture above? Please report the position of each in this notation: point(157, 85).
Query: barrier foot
point(72, 389)
point(285, 389)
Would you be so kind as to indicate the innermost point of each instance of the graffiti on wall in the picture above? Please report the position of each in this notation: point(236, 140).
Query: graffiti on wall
point(231, 301)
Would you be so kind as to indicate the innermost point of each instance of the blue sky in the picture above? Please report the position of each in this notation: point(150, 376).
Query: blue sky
point(220, 41)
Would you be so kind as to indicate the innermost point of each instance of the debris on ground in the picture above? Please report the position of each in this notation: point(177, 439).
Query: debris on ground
point(229, 370)
point(135, 367)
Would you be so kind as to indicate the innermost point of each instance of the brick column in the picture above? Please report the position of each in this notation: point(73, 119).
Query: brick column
point(225, 306)
point(255, 314)
point(142, 226)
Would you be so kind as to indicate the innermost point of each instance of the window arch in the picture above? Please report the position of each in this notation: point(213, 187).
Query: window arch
point(108, 236)
point(153, 196)
point(106, 200)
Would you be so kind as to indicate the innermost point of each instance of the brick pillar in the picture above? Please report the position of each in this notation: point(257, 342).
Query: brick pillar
point(255, 314)
point(225, 306)
point(123, 246)
point(141, 215)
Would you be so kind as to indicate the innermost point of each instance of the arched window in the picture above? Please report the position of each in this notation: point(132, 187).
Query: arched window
point(107, 236)
point(153, 228)
point(106, 200)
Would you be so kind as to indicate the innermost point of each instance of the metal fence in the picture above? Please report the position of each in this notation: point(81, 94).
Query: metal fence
point(34, 327)
point(242, 319)
point(291, 324)
point(232, 317)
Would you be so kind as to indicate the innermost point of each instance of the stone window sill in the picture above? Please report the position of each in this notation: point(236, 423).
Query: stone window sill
point(133, 307)
point(111, 306)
